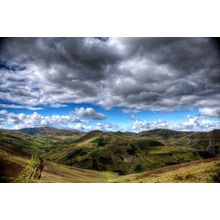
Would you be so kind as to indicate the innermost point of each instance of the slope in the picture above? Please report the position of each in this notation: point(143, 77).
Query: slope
point(104, 151)
point(202, 171)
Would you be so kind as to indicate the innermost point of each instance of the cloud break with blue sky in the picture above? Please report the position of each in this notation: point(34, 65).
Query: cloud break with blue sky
point(111, 84)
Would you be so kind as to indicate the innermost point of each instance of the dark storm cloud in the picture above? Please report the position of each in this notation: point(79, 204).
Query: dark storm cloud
point(76, 55)
point(132, 73)
point(10, 67)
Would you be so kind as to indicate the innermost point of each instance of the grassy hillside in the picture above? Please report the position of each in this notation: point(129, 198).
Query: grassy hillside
point(12, 165)
point(198, 140)
point(57, 173)
point(50, 131)
point(98, 156)
point(163, 133)
point(21, 169)
point(39, 143)
point(122, 154)
point(203, 171)
point(105, 152)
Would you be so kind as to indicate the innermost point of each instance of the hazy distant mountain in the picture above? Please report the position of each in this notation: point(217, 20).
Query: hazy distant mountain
point(163, 133)
point(49, 131)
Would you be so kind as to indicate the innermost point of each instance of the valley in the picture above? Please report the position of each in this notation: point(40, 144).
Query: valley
point(49, 155)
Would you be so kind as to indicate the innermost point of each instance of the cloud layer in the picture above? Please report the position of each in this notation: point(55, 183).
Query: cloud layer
point(197, 123)
point(70, 121)
point(133, 73)
point(18, 121)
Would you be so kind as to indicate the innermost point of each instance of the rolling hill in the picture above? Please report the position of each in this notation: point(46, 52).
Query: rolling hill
point(50, 131)
point(104, 151)
point(53, 155)
point(163, 133)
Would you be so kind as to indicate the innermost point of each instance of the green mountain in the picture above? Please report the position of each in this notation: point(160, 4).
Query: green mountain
point(108, 151)
point(163, 133)
point(54, 155)
point(194, 139)
point(49, 131)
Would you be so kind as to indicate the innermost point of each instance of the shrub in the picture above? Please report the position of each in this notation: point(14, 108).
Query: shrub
point(99, 141)
point(138, 168)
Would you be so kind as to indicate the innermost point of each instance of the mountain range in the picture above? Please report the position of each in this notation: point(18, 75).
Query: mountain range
point(49, 154)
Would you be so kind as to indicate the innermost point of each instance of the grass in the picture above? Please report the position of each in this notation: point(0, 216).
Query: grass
point(99, 141)
point(57, 173)
point(102, 157)
point(40, 144)
point(11, 165)
point(32, 172)
point(169, 149)
point(121, 154)
point(199, 171)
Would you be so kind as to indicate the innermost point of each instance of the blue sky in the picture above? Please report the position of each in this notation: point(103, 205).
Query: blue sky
point(127, 84)
point(118, 119)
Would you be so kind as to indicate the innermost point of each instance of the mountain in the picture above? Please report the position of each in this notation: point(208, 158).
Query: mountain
point(195, 139)
point(16, 144)
point(90, 135)
point(163, 133)
point(19, 142)
point(105, 151)
point(203, 139)
point(49, 131)
point(126, 133)
point(55, 155)
point(108, 151)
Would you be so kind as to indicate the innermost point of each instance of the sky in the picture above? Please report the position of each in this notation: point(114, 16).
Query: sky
point(110, 84)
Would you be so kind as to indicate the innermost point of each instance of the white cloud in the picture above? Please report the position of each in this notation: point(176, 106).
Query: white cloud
point(3, 112)
point(90, 113)
point(191, 124)
point(19, 107)
point(211, 112)
point(18, 121)
point(80, 126)
point(21, 120)
point(106, 127)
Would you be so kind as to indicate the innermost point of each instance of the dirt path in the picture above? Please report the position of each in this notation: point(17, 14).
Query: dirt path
point(32, 172)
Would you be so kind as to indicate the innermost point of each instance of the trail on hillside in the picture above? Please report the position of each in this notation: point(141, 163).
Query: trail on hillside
point(32, 172)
